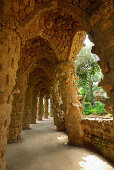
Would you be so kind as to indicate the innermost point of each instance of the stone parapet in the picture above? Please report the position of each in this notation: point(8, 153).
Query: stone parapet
point(99, 133)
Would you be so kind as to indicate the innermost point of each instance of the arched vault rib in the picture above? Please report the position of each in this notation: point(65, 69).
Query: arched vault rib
point(38, 75)
point(74, 10)
point(58, 28)
point(43, 35)
point(37, 51)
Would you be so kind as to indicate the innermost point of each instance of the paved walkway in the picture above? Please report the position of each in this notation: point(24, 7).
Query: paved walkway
point(43, 148)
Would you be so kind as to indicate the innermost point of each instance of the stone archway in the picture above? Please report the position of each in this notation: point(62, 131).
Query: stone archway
point(22, 24)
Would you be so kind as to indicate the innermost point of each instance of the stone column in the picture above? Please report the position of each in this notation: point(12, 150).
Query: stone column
point(51, 111)
point(17, 108)
point(52, 106)
point(46, 107)
point(59, 119)
point(34, 107)
point(40, 107)
point(71, 105)
point(27, 108)
point(9, 57)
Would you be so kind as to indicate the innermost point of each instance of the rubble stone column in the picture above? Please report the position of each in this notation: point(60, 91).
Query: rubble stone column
point(51, 111)
point(46, 107)
point(9, 57)
point(40, 107)
point(59, 120)
point(71, 105)
point(34, 107)
point(52, 106)
point(27, 108)
point(17, 108)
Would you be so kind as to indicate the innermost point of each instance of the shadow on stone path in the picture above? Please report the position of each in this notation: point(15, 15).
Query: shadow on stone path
point(43, 148)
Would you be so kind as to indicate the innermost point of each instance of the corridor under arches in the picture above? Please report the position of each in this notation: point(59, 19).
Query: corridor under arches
point(44, 148)
point(39, 44)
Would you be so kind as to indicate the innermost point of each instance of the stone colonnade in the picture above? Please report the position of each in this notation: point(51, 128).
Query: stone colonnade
point(46, 106)
point(58, 32)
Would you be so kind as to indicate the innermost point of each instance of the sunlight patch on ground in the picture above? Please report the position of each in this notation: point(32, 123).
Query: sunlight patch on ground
point(63, 139)
point(91, 162)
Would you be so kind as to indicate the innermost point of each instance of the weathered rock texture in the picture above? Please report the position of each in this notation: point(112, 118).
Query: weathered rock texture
point(40, 107)
point(70, 102)
point(27, 108)
point(59, 117)
point(51, 111)
point(34, 107)
point(17, 108)
point(99, 133)
point(102, 37)
point(46, 107)
point(47, 35)
point(9, 56)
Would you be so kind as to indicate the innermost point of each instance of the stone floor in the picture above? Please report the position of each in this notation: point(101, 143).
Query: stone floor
point(43, 148)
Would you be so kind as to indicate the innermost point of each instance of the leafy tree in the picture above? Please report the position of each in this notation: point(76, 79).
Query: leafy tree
point(88, 71)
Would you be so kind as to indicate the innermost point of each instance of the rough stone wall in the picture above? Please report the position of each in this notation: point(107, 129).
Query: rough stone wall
point(101, 34)
point(99, 133)
point(20, 9)
point(27, 108)
point(70, 102)
point(17, 108)
point(34, 107)
point(40, 107)
point(9, 56)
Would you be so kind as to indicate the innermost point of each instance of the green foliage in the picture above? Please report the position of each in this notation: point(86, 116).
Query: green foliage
point(97, 109)
point(87, 66)
point(82, 93)
point(90, 74)
point(110, 115)
point(43, 108)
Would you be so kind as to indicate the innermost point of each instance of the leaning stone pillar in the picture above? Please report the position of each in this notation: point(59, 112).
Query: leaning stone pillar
point(40, 107)
point(17, 108)
point(46, 107)
point(71, 105)
point(51, 112)
point(9, 57)
point(59, 120)
point(34, 107)
point(27, 108)
point(52, 107)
